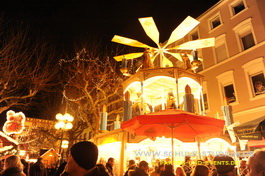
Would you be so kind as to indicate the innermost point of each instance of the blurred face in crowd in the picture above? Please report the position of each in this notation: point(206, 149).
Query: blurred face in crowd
point(112, 162)
point(252, 168)
point(71, 165)
point(146, 169)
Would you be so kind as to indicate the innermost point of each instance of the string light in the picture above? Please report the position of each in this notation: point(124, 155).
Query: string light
point(95, 67)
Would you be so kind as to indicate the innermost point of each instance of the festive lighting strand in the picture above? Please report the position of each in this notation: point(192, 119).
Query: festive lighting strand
point(79, 112)
point(11, 151)
point(97, 65)
point(97, 83)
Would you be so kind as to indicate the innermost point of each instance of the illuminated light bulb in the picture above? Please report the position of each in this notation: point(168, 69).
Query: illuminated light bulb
point(69, 125)
point(124, 67)
point(57, 126)
point(61, 125)
point(22, 153)
point(65, 144)
point(68, 117)
point(59, 116)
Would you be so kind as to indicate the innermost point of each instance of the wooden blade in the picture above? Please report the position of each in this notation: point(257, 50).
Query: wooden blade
point(150, 28)
point(129, 42)
point(153, 58)
point(184, 28)
point(196, 44)
point(128, 56)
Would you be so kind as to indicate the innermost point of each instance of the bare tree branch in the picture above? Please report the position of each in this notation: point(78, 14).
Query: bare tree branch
point(92, 83)
point(27, 67)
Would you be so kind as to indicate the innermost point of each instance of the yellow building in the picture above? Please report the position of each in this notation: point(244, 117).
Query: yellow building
point(234, 68)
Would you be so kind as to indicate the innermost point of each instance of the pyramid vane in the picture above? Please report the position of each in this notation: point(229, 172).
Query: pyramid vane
point(152, 32)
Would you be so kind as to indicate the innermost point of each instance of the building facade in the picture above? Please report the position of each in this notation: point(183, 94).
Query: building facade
point(233, 70)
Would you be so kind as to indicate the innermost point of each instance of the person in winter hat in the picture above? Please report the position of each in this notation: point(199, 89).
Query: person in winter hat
point(225, 165)
point(13, 167)
point(82, 157)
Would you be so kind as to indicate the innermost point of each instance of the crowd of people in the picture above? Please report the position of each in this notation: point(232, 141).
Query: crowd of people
point(15, 166)
point(83, 157)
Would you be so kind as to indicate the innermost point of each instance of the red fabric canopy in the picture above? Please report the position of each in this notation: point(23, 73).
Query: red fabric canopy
point(186, 126)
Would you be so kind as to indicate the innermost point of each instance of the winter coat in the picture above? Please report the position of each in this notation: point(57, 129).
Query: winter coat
point(60, 169)
point(110, 169)
point(167, 173)
point(13, 171)
point(138, 172)
point(38, 169)
point(130, 168)
point(99, 170)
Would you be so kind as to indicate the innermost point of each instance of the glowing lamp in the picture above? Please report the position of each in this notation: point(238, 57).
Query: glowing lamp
point(69, 126)
point(32, 160)
point(65, 144)
point(59, 125)
point(124, 67)
point(196, 62)
point(22, 153)
point(124, 70)
point(68, 117)
point(56, 126)
point(64, 123)
point(59, 116)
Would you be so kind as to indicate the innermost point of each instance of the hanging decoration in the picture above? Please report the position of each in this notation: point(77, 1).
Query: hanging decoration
point(15, 122)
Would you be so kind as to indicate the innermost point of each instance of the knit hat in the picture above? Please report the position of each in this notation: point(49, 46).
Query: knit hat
point(85, 154)
point(224, 163)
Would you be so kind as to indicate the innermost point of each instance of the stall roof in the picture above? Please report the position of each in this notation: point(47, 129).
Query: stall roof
point(252, 130)
point(6, 139)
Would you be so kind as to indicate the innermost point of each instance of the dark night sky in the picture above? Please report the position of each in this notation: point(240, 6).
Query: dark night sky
point(67, 21)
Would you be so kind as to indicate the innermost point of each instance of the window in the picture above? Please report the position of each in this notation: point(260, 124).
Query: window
point(227, 87)
point(258, 84)
point(215, 22)
point(245, 34)
point(237, 6)
point(221, 53)
point(247, 40)
point(229, 93)
point(220, 48)
point(254, 73)
point(194, 35)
